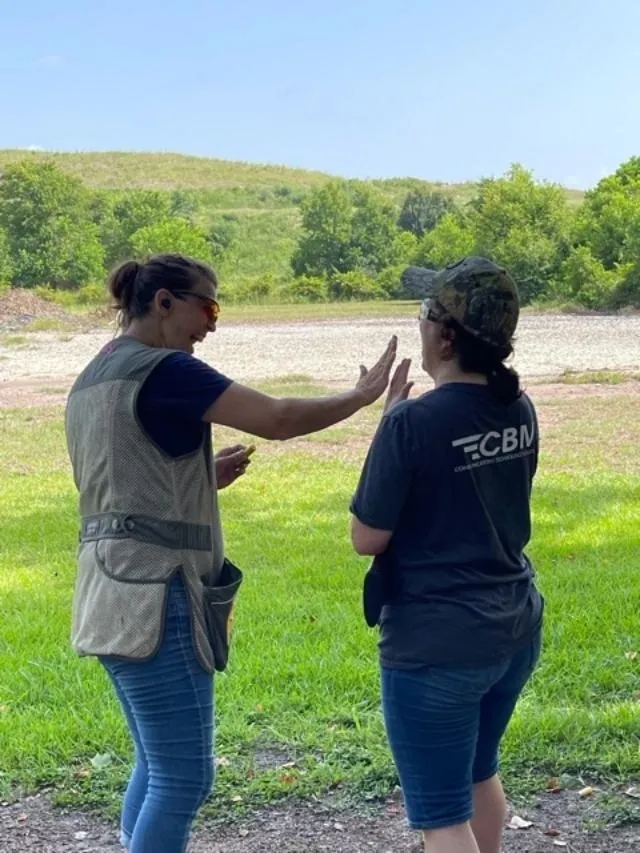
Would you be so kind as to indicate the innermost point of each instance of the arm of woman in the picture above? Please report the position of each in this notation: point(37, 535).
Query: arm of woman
point(383, 470)
point(281, 418)
point(384, 482)
point(368, 540)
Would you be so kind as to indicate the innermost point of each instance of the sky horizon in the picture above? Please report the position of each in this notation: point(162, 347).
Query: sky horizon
point(445, 93)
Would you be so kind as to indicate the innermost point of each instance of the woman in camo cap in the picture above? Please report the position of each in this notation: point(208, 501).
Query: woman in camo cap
point(444, 502)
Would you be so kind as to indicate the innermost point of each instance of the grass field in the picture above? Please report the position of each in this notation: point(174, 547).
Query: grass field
point(302, 688)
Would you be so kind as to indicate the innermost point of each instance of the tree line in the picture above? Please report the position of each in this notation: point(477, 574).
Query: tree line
point(353, 242)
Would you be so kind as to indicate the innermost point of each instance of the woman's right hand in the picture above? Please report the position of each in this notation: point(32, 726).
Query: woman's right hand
point(372, 383)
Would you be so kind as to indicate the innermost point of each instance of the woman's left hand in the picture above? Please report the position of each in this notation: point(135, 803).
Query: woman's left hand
point(231, 463)
point(399, 387)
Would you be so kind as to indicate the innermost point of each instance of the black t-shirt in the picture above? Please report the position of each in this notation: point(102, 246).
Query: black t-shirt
point(173, 400)
point(450, 473)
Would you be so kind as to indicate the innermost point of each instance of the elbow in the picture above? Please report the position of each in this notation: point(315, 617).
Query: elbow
point(361, 548)
point(368, 541)
point(366, 549)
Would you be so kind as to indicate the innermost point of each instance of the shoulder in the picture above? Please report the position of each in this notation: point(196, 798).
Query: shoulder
point(183, 366)
point(420, 410)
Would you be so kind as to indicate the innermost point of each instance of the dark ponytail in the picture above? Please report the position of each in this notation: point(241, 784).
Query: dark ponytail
point(122, 286)
point(477, 356)
point(133, 285)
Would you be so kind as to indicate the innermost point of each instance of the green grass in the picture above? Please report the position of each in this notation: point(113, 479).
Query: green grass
point(13, 340)
point(309, 312)
point(258, 311)
point(596, 377)
point(302, 684)
point(48, 324)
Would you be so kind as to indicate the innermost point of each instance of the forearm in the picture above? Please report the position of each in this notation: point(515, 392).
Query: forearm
point(300, 416)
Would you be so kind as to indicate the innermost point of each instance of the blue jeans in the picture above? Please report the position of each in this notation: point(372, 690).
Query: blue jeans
point(168, 704)
point(444, 726)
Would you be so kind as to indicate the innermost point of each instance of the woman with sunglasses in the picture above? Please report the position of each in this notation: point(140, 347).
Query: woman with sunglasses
point(138, 423)
point(443, 503)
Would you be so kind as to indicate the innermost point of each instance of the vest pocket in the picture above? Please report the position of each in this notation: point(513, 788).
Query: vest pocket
point(218, 602)
point(130, 561)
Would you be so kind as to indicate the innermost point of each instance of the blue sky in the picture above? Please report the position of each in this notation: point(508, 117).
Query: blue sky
point(440, 89)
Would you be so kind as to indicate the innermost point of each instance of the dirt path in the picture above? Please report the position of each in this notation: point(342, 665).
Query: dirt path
point(559, 821)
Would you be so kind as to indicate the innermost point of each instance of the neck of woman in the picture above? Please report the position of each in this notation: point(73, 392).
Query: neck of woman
point(449, 371)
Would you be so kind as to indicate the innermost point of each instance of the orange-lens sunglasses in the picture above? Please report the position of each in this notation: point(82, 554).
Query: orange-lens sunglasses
point(210, 307)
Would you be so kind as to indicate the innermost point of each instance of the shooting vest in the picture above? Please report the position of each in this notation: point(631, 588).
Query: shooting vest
point(145, 516)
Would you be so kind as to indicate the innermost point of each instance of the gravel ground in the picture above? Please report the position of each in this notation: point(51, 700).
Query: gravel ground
point(547, 345)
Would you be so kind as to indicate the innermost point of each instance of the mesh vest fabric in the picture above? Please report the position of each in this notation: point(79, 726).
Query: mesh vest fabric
point(145, 515)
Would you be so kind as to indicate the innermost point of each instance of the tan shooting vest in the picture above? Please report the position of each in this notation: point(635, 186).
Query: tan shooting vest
point(145, 516)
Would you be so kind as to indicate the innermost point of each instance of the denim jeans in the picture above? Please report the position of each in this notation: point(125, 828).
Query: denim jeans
point(168, 704)
point(444, 726)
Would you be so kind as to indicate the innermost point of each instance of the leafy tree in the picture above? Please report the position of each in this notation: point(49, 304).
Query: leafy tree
point(171, 235)
point(354, 285)
point(374, 235)
point(221, 237)
point(422, 210)
point(628, 291)
point(406, 247)
point(46, 217)
point(307, 289)
point(325, 244)
point(184, 204)
point(102, 209)
point(532, 258)
point(609, 221)
point(134, 210)
point(6, 261)
point(345, 231)
point(451, 239)
point(525, 226)
point(584, 280)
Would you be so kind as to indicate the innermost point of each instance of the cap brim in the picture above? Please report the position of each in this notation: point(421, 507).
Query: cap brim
point(419, 281)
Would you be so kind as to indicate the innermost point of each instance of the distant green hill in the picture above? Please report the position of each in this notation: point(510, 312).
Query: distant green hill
point(260, 202)
point(124, 170)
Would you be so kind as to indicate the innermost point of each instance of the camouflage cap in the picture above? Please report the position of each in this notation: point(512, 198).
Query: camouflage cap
point(480, 296)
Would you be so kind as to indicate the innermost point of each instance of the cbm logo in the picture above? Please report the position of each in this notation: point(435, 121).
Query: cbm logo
point(489, 444)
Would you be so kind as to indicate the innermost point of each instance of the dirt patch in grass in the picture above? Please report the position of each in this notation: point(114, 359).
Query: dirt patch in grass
point(37, 391)
point(559, 821)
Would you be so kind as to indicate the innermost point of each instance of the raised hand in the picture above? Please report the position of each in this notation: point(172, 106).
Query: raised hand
point(372, 383)
point(399, 387)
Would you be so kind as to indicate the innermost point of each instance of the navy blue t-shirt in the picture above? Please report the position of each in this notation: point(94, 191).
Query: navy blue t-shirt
point(450, 473)
point(173, 400)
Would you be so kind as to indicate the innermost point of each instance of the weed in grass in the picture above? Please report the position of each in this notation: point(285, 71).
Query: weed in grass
point(597, 377)
point(13, 340)
point(48, 324)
